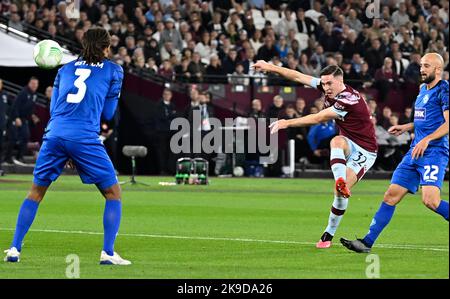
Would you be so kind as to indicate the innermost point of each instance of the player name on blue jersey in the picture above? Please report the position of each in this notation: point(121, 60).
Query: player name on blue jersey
point(83, 62)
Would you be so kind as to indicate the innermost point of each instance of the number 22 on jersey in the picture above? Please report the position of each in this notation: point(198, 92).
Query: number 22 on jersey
point(79, 83)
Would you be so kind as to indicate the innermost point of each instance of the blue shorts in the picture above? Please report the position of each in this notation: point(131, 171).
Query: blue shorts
point(428, 170)
point(89, 157)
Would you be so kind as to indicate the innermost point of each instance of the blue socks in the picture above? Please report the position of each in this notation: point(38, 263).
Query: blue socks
point(111, 223)
point(442, 209)
point(26, 216)
point(379, 222)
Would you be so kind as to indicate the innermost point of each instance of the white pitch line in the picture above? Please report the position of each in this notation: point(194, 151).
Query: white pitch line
point(388, 246)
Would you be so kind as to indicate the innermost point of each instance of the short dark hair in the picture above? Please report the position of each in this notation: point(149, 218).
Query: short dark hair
point(95, 41)
point(334, 70)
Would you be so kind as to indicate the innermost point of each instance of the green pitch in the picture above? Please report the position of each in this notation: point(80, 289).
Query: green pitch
point(233, 228)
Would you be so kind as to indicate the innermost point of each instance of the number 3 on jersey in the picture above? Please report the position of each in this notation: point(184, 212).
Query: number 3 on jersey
point(82, 74)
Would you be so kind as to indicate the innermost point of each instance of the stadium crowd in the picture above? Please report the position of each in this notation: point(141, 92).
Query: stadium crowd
point(218, 41)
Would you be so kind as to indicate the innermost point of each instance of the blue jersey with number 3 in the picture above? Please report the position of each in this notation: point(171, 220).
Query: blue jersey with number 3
point(80, 93)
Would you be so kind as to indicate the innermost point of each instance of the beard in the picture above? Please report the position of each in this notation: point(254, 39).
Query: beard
point(428, 79)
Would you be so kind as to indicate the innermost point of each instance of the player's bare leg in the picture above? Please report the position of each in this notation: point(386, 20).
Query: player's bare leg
point(111, 224)
point(25, 218)
point(338, 209)
point(339, 151)
point(392, 197)
point(431, 198)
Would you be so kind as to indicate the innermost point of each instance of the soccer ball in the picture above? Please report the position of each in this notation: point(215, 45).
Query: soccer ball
point(238, 171)
point(47, 54)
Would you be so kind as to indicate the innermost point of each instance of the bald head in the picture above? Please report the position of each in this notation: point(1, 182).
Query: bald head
point(435, 59)
point(431, 68)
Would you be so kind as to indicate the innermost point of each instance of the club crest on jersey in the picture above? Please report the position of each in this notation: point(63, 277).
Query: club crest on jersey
point(426, 98)
point(420, 114)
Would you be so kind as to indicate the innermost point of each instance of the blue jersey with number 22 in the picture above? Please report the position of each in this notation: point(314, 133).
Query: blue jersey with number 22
point(428, 117)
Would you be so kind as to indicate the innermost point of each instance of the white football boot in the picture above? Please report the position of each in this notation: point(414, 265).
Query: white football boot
point(106, 259)
point(12, 255)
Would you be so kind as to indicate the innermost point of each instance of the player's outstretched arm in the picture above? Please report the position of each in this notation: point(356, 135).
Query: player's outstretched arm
point(305, 121)
point(440, 132)
point(400, 129)
point(292, 75)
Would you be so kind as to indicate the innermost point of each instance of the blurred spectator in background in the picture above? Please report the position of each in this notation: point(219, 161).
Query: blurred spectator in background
point(365, 76)
point(400, 64)
point(286, 23)
point(350, 75)
point(384, 119)
point(166, 70)
point(386, 79)
point(406, 116)
point(165, 113)
point(4, 109)
point(319, 137)
point(15, 22)
point(276, 108)
point(305, 25)
point(215, 71)
point(171, 34)
point(40, 116)
point(282, 47)
point(196, 68)
point(412, 72)
point(329, 41)
point(256, 110)
point(229, 63)
point(239, 77)
point(267, 51)
point(298, 134)
point(300, 105)
point(304, 66)
point(373, 108)
point(20, 118)
point(375, 55)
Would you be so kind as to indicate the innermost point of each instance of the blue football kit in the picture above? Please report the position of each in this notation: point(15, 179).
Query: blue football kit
point(82, 95)
point(428, 117)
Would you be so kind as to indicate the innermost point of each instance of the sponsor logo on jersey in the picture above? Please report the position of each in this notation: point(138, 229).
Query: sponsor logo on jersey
point(339, 106)
point(420, 114)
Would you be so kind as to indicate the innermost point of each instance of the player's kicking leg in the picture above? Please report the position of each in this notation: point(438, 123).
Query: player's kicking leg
point(349, 162)
point(26, 216)
point(338, 209)
point(111, 224)
point(339, 151)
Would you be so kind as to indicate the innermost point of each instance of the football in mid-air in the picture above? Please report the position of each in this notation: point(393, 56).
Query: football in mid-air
point(47, 54)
